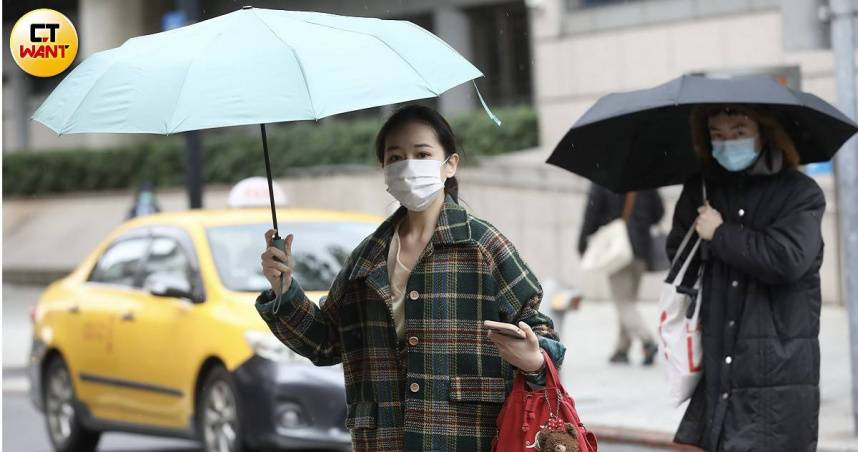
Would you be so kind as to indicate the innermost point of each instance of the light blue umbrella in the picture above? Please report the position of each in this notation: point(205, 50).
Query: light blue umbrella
point(253, 66)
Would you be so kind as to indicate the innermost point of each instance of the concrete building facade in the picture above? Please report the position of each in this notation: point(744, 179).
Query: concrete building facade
point(584, 50)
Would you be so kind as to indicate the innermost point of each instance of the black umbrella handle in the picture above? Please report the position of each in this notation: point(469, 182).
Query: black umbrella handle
point(270, 183)
point(280, 244)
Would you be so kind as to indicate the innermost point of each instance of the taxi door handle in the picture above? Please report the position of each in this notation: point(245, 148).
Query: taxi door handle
point(127, 317)
point(74, 309)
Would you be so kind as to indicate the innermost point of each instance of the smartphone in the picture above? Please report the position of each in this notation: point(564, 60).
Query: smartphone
point(507, 329)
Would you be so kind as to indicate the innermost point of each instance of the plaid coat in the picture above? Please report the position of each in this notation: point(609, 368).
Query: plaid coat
point(440, 389)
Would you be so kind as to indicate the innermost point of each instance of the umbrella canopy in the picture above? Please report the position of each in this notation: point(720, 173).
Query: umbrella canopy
point(642, 139)
point(252, 66)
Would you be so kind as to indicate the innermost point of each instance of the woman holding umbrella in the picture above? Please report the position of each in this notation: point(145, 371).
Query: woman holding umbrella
point(760, 223)
point(421, 371)
point(432, 314)
point(760, 312)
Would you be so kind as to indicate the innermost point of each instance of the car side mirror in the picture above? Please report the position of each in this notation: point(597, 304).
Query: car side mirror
point(167, 284)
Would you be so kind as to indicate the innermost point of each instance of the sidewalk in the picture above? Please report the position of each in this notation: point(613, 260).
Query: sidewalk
point(628, 402)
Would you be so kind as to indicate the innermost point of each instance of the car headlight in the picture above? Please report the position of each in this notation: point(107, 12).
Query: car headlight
point(269, 347)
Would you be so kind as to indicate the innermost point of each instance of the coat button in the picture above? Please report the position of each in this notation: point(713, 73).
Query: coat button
point(728, 360)
point(415, 387)
point(741, 212)
point(725, 395)
point(413, 341)
point(735, 284)
point(413, 295)
point(731, 323)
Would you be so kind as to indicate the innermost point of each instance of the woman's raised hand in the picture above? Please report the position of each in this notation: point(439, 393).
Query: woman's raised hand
point(523, 353)
point(276, 263)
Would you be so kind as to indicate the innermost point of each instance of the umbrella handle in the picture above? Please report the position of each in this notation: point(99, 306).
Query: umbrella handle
point(279, 243)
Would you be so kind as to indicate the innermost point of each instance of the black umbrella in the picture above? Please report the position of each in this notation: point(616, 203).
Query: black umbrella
point(642, 139)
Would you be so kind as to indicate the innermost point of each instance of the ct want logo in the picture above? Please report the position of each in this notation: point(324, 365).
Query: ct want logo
point(43, 42)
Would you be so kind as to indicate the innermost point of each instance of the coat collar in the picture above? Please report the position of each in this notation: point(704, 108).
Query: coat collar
point(769, 163)
point(453, 227)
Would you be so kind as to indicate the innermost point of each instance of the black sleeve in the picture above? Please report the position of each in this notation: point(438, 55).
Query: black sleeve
point(592, 213)
point(784, 251)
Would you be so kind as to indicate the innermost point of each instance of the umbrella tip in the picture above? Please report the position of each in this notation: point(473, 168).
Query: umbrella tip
point(247, 7)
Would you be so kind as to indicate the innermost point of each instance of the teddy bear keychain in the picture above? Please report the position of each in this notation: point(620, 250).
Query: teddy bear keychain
point(556, 436)
point(558, 440)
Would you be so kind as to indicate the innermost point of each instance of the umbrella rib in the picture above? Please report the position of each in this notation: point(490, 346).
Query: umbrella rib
point(297, 59)
point(431, 35)
point(679, 90)
point(427, 32)
point(426, 82)
point(88, 92)
point(167, 129)
point(795, 96)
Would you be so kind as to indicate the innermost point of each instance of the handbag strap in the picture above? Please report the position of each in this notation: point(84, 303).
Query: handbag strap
point(685, 241)
point(687, 263)
point(629, 206)
point(681, 249)
point(552, 379)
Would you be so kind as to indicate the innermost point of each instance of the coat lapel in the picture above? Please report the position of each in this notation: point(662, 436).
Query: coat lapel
point(453, 226)
point(371, 261)
point(379, 281)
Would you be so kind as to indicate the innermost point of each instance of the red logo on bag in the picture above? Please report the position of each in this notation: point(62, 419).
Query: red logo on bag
point(690, 349)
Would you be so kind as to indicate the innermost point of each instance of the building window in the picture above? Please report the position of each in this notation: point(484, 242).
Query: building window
point(500, 34)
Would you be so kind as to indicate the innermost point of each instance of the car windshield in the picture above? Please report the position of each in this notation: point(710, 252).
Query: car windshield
point(320, 249)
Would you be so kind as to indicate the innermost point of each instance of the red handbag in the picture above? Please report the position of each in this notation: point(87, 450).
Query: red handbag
point(542, 419)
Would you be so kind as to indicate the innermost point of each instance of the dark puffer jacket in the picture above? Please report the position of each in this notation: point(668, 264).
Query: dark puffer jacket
point(760, 313)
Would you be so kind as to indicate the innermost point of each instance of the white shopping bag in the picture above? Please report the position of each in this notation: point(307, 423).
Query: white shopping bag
point(608, 249)
point(679, 325)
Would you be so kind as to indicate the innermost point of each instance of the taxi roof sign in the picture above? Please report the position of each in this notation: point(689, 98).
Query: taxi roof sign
point(253, 192)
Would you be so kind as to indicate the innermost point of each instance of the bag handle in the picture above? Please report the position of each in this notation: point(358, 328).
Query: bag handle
point(682, 246)
point(680, 275)
point(629, 206)
point(552, 378)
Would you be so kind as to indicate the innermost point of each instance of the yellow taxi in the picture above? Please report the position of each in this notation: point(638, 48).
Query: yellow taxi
point(156, 333)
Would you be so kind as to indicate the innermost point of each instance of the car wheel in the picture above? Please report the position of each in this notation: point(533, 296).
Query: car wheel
point(217, 414)
point(63, 419)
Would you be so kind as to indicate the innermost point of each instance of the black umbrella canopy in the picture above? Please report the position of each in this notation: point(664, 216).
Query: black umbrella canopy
point(642, 139)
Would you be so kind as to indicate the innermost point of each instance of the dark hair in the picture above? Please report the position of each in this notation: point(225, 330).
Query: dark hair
point(772, 133)
point(422, 114)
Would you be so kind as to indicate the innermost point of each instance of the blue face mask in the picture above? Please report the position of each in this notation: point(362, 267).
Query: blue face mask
point(734, 155)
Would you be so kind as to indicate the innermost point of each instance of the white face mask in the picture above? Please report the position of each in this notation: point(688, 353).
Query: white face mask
point(414, 183)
